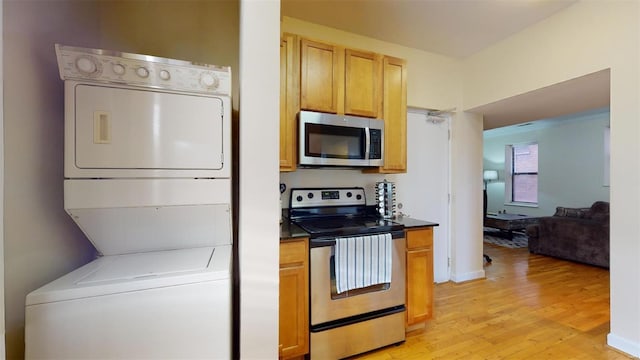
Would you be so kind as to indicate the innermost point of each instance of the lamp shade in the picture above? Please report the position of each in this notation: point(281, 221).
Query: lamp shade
point(490, 175)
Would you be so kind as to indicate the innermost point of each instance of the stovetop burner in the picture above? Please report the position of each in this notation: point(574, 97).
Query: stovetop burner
point(340, 227)
point(336, 212)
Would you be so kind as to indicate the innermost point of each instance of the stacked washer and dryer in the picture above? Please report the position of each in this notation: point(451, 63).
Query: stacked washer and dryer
point(148, 180)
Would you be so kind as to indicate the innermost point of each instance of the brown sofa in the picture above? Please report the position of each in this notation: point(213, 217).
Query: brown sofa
point(577, 234)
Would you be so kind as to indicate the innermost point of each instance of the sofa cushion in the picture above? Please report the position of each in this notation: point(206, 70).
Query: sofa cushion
point(572, 212)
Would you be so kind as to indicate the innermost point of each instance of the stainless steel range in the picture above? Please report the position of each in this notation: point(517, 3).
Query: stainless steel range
point(357, 272)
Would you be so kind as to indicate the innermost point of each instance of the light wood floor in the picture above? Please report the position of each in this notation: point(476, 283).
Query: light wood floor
point(528, 307)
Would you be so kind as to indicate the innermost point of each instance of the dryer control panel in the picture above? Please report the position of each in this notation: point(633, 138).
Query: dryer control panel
point(106, 66)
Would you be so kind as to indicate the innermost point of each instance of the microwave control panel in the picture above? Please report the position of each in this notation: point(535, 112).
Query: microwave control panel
point(375, 147)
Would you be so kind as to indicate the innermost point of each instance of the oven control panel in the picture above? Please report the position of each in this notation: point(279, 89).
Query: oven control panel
point(314, 197)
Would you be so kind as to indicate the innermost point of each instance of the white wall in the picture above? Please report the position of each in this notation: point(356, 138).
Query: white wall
point(586, 37)
point(259, 162)
point(570, 163)
point(41, 242)
point(2, 341)
point(466, 197)
point(199, 31)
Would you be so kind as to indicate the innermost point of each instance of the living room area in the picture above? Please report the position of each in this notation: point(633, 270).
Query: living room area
point(547, 186)
point(531, 305)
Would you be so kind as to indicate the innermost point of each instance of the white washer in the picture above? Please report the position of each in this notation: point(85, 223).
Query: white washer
point(147, 179)
point(163, 304)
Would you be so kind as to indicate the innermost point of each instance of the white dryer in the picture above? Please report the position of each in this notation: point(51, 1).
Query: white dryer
point(147, 179)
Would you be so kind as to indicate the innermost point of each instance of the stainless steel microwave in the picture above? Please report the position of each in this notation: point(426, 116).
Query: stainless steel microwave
point(339, 140)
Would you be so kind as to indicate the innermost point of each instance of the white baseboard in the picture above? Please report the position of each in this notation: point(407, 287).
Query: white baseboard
point(624, 345)
point(468, 276)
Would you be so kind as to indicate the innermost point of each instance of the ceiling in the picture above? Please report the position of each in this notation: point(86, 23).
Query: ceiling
point(460, 28)
point(456, 28)
point(577, 95)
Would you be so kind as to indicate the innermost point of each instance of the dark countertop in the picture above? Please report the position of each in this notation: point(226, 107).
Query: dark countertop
point(291, 231)
point(413, 223)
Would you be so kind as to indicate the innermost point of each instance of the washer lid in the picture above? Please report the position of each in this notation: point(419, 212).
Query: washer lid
point(158, 263)
point(115, 274)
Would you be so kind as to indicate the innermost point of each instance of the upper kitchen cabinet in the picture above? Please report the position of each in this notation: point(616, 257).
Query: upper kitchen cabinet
point(338, 80)
point(289, 100)
point(395, 115)
point(363, 83)
point(320, 71)
point(394, 103)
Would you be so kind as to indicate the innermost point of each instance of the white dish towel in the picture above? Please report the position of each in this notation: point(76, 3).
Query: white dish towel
point(362, 261)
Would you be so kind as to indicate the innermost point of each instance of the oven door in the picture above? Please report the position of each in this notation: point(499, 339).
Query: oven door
point(328, 305)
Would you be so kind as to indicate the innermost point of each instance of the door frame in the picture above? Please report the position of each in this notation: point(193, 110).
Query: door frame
point(2, 343)
point(445, 120)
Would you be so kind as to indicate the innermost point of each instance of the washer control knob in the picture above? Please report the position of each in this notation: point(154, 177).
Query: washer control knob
point(349, 194)
point(118, 69)
point(209, 81)
point(86, 65)
point(142, 71)
point(164, 75)
point(310, 195)
point(299, 198)
point(359, 197)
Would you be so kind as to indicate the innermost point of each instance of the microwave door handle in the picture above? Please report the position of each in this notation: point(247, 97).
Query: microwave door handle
point(367, 143)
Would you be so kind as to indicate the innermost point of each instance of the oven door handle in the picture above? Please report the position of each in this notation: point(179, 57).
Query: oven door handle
point(331, 241)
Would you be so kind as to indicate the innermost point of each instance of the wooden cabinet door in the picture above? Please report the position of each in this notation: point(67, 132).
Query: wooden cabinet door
point(394, 105)
point(289, 101)
point(363, 83)
point(320, 72)
point(419, 301)
point(294, 299)
point(395, 115)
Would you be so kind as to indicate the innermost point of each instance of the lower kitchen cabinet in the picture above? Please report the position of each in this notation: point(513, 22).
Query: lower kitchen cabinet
point(419, 300)
point(294, 299)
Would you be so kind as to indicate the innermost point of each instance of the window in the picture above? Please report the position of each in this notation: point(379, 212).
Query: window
point(522, 173)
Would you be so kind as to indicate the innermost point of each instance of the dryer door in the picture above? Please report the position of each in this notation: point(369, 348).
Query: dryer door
point(120, 128)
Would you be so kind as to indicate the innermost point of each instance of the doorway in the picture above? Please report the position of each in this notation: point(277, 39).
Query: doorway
point(428, 153)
